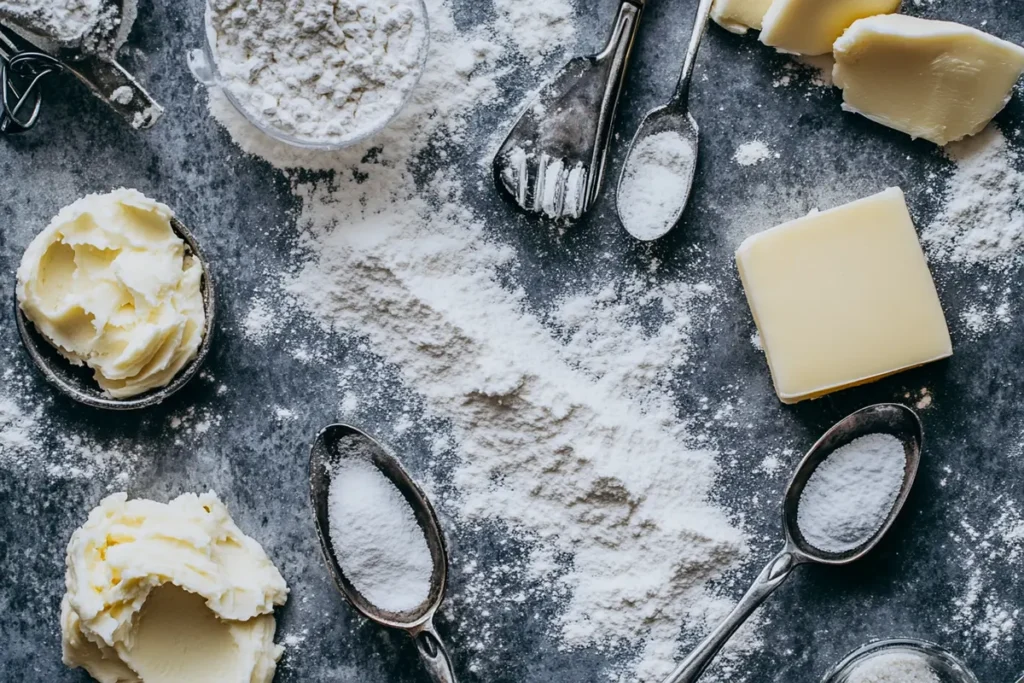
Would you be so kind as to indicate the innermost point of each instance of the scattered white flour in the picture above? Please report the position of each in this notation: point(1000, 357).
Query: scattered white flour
point(328, 71)
point(29, 444)
point(396, 259)
point(752, 153)
point(990, 556)
point(850, 495)
point(260, 322)
point(655, 185)
point(379, 545)
point(537, 29)
point(894, 667)
point(982, 216)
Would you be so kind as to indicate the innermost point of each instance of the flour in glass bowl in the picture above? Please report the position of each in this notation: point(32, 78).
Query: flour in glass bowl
point(320, 72)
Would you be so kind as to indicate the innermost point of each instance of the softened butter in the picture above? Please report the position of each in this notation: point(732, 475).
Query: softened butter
point(168, 593)
point(111, 285)
point(935, 80)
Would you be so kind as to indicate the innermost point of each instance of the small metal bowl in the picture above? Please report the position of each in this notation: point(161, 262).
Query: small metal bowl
point(947, 668)
point(209, 75)
point(77, 381)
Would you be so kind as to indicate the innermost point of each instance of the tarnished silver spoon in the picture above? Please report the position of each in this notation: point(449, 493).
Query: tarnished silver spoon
point(886, 418)
point(418, 623)
point(675, 120)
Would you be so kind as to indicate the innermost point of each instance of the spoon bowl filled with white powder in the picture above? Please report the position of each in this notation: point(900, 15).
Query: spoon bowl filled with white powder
point(852, 484)
point(381, 538)
point(316, 74)
point(843, 498)
point(900, 661)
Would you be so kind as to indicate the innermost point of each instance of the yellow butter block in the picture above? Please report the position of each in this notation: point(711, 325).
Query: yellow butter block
point(809, 27)
point(843, 297)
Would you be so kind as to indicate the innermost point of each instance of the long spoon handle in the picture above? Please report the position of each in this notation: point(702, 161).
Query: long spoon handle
point(700, 26)
point(434, 655)
point(773, 576)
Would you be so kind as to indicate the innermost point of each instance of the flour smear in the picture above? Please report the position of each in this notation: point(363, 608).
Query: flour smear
point(567, 433)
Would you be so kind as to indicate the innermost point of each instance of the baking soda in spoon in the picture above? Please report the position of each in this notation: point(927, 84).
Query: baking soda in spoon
point(850, 495)
point(378, 542)
point(655, 185)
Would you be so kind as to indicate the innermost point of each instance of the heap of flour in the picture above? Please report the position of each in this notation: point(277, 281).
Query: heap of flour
point(567, 434)
point(88, 25)
point(319, 71)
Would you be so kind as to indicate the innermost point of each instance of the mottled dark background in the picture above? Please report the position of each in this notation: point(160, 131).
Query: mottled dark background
point(242, 211)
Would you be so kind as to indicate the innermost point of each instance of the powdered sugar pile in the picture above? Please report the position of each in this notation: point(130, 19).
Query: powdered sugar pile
point(850, 495)
point(320, 72)
point(376, 539)
point(566, 434)
point(655, 185)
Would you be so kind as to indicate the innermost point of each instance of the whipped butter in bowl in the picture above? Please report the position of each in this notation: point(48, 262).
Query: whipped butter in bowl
point(116, 288)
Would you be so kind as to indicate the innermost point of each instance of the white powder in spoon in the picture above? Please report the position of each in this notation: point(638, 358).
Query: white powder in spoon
point(850, 495)
point(894, 667)
point(377, 540)
point(654, 186)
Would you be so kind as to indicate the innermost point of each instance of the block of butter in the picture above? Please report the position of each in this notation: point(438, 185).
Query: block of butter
point(810, 27)
point(931, 79)
point(843, 297)
point(739, 16)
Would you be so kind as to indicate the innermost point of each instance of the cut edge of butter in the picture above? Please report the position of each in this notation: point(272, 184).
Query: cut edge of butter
point(893, 69)
point(739, 16)
point(810, 27)
point(811, 392)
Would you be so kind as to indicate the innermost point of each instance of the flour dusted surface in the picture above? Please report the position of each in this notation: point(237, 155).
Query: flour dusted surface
point(548, 424)
point(318, 71)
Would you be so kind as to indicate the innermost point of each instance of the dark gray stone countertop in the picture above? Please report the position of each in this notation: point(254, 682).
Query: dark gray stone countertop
point(242, 210)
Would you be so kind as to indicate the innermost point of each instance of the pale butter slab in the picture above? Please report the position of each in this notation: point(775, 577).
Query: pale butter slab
point(935, 80)
point(843, 297)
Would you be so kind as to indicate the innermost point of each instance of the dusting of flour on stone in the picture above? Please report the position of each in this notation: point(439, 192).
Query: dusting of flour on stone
point(565, 431)
point(982, 216)
point(537, 29)
point(654, 186)
point(752, 153)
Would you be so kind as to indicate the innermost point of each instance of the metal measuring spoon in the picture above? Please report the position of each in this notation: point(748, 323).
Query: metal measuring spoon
point(418, 623)
point(77, 382)
point(674, 117)
point(887, 418)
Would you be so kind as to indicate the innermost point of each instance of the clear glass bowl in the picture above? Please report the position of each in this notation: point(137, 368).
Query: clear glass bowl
point(209, 75)
point(946, 667)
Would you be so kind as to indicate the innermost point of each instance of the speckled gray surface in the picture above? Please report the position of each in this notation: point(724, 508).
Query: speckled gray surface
point(232, 440)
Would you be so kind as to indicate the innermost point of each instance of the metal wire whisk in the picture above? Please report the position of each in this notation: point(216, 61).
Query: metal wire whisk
point(21, 73)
